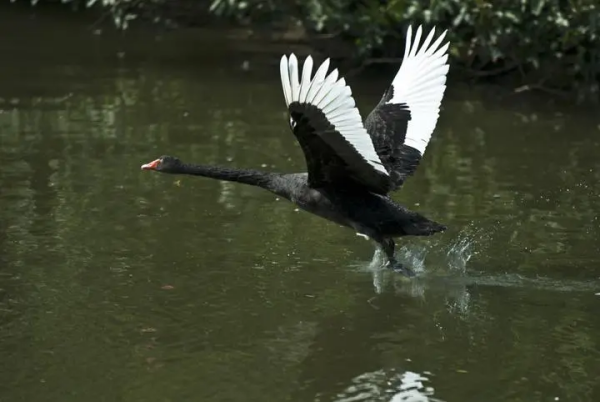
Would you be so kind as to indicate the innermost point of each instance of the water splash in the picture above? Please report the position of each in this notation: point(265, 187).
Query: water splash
point(442, 256)
point(455, 254)
point(460, 252)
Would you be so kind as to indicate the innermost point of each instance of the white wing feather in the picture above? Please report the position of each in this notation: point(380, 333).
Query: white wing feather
point(420, 83)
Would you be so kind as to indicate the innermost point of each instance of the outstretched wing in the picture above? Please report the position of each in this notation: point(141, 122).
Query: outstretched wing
point(402, 123)
point(324, 118)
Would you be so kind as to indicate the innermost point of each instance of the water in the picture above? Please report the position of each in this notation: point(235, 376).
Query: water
point(118, 284)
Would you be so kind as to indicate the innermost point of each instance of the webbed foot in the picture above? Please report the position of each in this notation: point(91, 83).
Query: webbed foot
point(388, 245)
point(401, 269)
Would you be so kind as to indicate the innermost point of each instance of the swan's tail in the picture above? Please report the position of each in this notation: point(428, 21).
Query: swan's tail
point(421, 226)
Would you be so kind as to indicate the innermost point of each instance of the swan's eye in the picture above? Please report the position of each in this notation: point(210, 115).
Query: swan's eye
point(292, 123)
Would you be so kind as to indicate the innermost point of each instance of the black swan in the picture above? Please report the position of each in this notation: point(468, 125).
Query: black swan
point(353, 167)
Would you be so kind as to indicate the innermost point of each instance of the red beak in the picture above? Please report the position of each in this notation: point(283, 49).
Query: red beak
point(151, 166)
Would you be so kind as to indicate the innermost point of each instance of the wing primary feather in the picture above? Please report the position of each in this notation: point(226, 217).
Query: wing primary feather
point(305, 84)
point(408, 42)
point(285, 80)
point(332, 96)
point(437, 44)
point(337, 114)
point(318, 81)
point(428, 40)
point(325, 87)
point(346, 101)
point(294, 83)
point(417, 41)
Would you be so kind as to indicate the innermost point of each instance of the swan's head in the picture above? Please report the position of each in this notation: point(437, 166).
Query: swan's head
point(165, 164)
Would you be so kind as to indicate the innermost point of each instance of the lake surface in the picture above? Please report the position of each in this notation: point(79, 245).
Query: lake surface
point(123, 285)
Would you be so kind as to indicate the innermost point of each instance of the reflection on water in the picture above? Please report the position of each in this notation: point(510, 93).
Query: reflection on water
point(116, 284)
point(387, 386)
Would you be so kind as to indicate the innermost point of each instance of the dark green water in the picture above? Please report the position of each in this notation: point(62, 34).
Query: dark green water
point(123, 285)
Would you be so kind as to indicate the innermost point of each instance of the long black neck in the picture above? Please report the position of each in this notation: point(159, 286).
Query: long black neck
point(247, 176)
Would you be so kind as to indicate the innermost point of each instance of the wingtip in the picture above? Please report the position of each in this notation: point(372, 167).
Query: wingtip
point(285, 79)
point(421, 82)
point(443, 34)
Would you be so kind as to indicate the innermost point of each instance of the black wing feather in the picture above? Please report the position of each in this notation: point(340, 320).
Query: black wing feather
point(387, 124)
point(330, 159)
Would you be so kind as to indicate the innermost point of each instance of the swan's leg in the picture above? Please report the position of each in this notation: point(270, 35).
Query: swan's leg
point(388, 245)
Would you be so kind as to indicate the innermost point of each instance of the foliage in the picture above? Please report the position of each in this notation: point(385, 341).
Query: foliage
point(547, 43)
point(538, 43)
